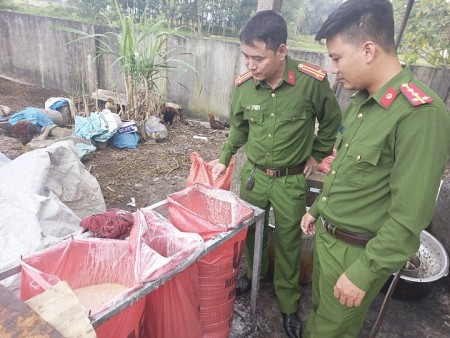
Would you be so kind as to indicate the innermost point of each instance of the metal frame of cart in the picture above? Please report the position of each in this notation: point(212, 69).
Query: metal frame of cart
point(258, 218)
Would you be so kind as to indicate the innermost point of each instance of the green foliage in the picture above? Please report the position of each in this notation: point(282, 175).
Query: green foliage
point(308, 15)
point(5, 4)
point(427, 33)
point(92, 10)
point(139, 47)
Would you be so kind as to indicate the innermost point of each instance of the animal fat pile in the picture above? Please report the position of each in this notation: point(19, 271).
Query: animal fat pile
point(95, 296)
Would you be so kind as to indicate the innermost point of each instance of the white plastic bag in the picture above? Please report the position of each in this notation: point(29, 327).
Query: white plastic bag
point(155, 129)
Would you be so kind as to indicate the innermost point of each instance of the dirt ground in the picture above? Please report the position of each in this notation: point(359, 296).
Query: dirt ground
point(154, 170)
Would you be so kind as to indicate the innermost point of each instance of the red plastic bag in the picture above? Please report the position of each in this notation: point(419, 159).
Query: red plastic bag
point(158, 247)
point(206, 210)
point(155, 249)
point(173, 309)
point(325, 165)
point(85, 262)
point(201, 172)
point(210, 211)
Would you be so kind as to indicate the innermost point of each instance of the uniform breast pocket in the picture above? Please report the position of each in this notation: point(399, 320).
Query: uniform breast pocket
point(361, 165)
point(254, 117)
point(291, 116)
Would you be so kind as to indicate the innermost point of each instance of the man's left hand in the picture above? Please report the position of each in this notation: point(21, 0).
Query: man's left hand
point(311, 166)
point(347, 292)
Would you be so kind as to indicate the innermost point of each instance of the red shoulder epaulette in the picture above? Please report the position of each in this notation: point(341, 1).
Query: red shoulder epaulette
point(312, 70)
point(414, 95)
point(242, 78)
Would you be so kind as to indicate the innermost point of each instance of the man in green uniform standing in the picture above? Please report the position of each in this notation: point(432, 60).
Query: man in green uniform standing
point(381, 190)
point(274, 109)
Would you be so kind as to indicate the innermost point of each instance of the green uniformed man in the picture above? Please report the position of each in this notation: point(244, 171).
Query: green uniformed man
point(380, 193)
point(273, 113)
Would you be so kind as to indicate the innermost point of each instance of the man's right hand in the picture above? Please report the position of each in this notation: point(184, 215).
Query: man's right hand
point(218, 170)
point(308, 224)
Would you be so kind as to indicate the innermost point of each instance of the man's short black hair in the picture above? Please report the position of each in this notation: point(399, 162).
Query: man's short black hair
point(362, 20)
point(266, 26)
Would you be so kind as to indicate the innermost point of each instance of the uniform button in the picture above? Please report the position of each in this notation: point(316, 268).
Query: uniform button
point(333, 172)
point(270, 135)
point(360, 115)
point(252, 119)
point(346, 145)
point(268, 154)
point(272, 115)
point(273, 95)
point(324, 199)
point(358, 157)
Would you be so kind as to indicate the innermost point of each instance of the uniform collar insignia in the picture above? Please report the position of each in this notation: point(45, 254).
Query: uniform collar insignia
point(291, 77)
point(388, 97)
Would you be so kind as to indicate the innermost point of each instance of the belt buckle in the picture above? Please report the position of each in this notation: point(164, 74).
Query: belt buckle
point(273, 172)
point(328, 226)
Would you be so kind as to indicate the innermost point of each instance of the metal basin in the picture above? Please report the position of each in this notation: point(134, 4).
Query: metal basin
point(434, 261)
point(430, 264)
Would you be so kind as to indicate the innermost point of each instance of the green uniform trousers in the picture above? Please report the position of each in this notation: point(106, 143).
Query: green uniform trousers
point(328, 317)
point(286, 195)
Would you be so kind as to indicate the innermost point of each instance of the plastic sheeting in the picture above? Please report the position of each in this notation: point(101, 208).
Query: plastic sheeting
point(159, 247)
point(98, 127)
point(206, 210)
point(201, 172)
point(44, 194)
point(33, 115)
point(173, 310)
point(154, 250)
point(84, 262)
point(210, 211)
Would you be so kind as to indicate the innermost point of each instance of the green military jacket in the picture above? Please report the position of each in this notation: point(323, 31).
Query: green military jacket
point(277, 126)
point(391, 153)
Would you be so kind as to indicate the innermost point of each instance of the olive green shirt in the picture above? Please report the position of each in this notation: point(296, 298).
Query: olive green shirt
point(384, 180)
point(277, 125)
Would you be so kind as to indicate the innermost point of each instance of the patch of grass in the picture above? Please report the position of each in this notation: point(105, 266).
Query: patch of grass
point(307, 43)
point(52, 9)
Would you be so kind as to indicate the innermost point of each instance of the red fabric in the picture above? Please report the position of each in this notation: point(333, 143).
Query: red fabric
point(114, 223)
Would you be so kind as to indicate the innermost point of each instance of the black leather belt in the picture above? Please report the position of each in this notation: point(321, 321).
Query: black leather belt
point(347, 236)
point(282, 171)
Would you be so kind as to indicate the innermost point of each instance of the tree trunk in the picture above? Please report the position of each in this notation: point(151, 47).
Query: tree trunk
point(269, 4)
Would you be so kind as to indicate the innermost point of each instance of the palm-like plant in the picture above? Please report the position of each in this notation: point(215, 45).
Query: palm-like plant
point(139, 47)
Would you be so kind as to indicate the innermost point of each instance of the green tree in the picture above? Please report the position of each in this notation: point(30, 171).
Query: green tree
point(93, 9)
point(313, 14)
point(427, 32)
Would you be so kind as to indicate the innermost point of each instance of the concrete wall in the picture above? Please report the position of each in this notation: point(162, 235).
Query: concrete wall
point(34, 51)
